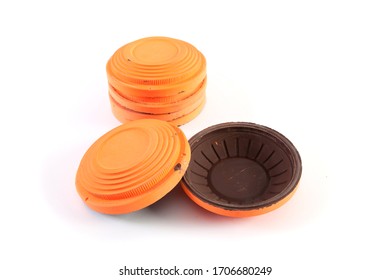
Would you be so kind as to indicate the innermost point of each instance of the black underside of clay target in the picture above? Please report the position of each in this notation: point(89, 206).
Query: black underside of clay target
point(242, 166)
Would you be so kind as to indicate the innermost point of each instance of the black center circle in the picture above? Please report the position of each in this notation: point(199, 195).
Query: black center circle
point(238, 179)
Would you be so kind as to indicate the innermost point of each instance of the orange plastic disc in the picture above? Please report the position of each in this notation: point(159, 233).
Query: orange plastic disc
point(149, 97)
point(178, 118)
point(162, 107)
point(134, 115)
point(164, 66)
point(164, 111)
point(169, 91)
point(132, 166)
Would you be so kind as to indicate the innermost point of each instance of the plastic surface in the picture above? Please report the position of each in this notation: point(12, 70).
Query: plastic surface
point(241, 169)
point(156, 76)
point(160, 106)
point(132, 166)
point(178, 118)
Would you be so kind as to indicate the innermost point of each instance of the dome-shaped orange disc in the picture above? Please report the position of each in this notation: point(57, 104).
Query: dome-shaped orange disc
point(132, 166)
point(158, 65)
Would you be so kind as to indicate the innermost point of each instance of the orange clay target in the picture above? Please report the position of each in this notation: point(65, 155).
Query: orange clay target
point(132, 166)
point(241, 169)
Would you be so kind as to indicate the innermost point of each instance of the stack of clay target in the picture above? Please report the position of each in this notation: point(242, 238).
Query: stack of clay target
point(157, 77)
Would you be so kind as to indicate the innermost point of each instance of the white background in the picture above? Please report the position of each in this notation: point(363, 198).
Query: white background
point(316, 71)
